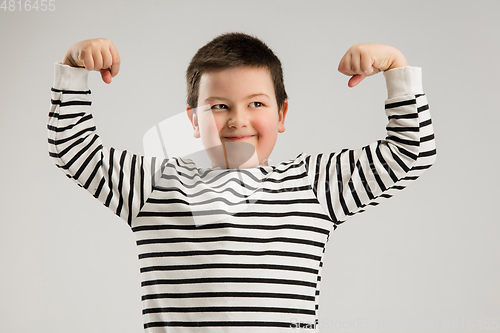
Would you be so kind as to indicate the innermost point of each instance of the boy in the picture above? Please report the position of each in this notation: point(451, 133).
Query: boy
point(210, 262)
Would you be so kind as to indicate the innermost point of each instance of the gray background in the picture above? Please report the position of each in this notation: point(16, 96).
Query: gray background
point(423, 260)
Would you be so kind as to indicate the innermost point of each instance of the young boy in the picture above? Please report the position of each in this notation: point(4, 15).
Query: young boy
point(210, 261)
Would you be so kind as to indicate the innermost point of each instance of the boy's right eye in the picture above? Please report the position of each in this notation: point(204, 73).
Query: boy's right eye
point(219, 106)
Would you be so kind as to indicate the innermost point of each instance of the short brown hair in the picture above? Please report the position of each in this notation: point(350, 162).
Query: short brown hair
point(229, 50)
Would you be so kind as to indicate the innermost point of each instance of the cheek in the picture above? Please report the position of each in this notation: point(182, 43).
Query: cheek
point(268, 132)
point(219, 123)
point(209, 130)
point(267, 126)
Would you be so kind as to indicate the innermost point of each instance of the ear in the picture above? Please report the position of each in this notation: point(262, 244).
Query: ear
point(282, 115)
point(193, 118)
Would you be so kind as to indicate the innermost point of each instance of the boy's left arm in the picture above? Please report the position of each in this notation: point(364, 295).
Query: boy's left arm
point(347, 182)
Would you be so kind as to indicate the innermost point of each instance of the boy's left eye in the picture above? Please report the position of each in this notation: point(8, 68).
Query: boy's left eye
point(257, 104)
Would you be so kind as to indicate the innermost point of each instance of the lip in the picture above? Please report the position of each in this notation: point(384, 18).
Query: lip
point(236, 138)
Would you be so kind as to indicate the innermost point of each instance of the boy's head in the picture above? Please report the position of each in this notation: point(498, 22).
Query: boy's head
point(234, 50)
point(236, 100)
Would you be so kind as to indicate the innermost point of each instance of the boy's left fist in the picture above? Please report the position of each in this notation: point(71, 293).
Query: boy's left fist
point(362, 60)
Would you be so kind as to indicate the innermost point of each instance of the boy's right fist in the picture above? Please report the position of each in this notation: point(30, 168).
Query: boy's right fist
point(98, 54)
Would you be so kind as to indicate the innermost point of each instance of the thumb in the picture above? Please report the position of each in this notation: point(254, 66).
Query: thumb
point(355, 80)
point(106, 75)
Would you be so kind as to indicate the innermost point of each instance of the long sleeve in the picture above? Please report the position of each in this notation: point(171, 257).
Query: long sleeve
point(118, 179)
point(348, 181)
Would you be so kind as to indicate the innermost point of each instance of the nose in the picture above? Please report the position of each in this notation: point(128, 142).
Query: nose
point(237, 118)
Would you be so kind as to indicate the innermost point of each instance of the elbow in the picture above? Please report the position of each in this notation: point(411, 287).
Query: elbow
point(432, 159)
point(427, 158)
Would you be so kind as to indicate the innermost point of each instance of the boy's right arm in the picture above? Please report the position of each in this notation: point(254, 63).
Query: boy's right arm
point(119, 179)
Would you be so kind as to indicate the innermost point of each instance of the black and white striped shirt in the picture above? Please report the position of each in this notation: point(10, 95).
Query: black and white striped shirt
point(237, 250)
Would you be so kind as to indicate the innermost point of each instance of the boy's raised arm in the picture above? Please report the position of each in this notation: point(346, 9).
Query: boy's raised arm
point(347, 182)
point(119, 179)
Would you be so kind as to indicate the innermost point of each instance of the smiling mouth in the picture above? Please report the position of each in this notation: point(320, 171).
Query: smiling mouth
point(238, 137)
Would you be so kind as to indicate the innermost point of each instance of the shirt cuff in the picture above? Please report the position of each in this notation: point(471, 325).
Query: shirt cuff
point(70, 78)
point(403, 81)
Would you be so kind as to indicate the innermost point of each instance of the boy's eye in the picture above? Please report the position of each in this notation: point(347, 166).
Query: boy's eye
point(257, 104)
point(219, 106)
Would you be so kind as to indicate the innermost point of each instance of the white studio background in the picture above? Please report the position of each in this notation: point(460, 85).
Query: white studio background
point(423, 260)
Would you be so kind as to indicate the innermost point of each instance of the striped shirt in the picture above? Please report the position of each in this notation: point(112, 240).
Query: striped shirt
point(237, 250)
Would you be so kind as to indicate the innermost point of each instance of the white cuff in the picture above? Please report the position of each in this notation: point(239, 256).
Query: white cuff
point(403, 81)
point(70, 78)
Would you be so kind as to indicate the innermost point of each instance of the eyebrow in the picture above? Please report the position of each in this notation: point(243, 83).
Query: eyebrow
point(226, 99)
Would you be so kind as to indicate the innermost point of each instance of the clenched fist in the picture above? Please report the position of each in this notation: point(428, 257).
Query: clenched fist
point(362, 60)
point(98, 54)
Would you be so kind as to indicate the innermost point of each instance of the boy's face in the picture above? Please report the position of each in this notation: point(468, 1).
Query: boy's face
point(237, 116)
